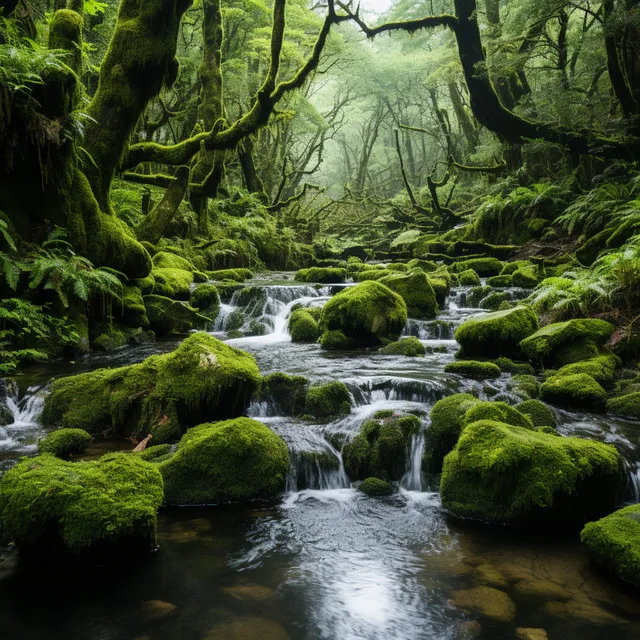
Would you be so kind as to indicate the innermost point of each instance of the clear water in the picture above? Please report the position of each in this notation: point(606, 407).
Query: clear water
point(324, 562)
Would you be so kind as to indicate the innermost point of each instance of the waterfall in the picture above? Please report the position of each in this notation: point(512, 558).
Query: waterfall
point(412, 479)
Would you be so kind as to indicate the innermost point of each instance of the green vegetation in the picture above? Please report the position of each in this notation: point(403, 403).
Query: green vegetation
point(286, 393)
point(64, 443)
point(474, 369)
point(328, 401)
point(578, 390)
point(375, 488)
point(411, 347)
point(303, 326)
point(540, 414)
point(627, 405)
point(416, 291)
point(326, 275)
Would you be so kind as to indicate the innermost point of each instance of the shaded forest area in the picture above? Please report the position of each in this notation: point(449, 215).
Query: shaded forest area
point(148, 146)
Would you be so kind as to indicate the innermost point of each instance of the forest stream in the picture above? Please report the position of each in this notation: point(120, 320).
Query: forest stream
point(324, 560)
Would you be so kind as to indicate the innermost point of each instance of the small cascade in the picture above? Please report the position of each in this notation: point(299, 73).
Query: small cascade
point(367, 391)
point(429, 329)
point(633, 481)
point(412, 479)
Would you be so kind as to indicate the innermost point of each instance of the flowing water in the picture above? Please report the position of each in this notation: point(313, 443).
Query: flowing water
point(325, 561)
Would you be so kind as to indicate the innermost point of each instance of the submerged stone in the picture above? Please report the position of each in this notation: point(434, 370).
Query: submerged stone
point(487, 602)
point(203, 378)
point(229, 461)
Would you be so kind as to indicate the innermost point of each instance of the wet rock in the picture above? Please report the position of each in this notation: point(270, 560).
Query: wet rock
point(523, 633)
point(469, 630)
point(541, 590)
point(251, 592)
point(248, 628)
point(487, 574)
point(582, 611)
point(157, 609)
point(486, 602)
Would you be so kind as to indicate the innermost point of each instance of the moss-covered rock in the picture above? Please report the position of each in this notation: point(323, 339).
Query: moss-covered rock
point(601, 368)
point(541, 415)
point(133, 312)
point(578, 391)
point(497, 334)
point(168, 260)
point(328, 401)
point(506, 474)
point(233, 275)
point(64, 443)
point(614, 543)
point(543, 345)
point(168, 316)
point(627, 405)
point(50, 507)
point(524, 386)
point(447, 416)
point(327, 275)
point(484, 267)
point(517, 368)
point(440, 288)
point(369, 274)
point(416, 291)
point(336, 341)
point(229, 461)
point(366, 314)
point(206, 300)
point(410, 346)
point(112, 337)
point(286, 394)
point(173, 283)
point(525, 277)
point(469, 278)
point(303, 327)
point(498, 411)
point(381, 448)
point(375, 488)
point(426, 265)
point(501, 281)
point(203, 378)
point(474, 369)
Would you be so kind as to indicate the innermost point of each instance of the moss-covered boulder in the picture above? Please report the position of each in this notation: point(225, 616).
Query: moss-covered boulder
point(366, 314)
point(206, 300)
point(284, 393)
point(496, 334)
point(370, 273)
point(614, 543)
point(64, 443)
point(578, 391)
point(326, 275)
point(173, 283)
point(469, 278)
point(509, 475)
point(524, 386)
point(168, 260)
point(440, 287)
point(381, 447)
point(474, 369)
point(447, 416)
point(168, 317)
point(328, 401)
point(544, 345)
point(336, 341)
point(133, 312)
point(202, 379)
point(303, 326)
point(416, 291)
point(627, 405)
point(601, 368)
point(232, 275)
point(411, 347)
point(375, 488)
point(541, 414)
point(426, 265)
point(229, 461)
point(500, 282)
point(517, 368)
point(50, 507)
point(498, 411)
point(525, 277)
point(484, 267)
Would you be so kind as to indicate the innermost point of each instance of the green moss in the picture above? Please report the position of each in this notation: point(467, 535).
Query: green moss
point(328, 401)
point(230, 461)
point(579, 390)
point(285, 393)
point(474, 369)
point(540, 414)
point(303, 327)
point(168, 316)
point(398, 266)
point(501, 282)
point(426, 265)
point(498, 333)
point(111, 338)
point(498, 411)
point(381, 448)
point(519, 368)
point(484, 267)
point(375, 488)
point(541, 346)
point(511, 267)
point(526, 278)
point(416, 291)
point(469, 278)
point(52, 507)
point(64, 443)
point(506, 474)
point(371, 274)
point(202, 379)
point(440, 288)
point(155, 453)
point(601, 368)
point(327, 275)
point(366, 314)
point(173, 283)
point(167, 260)
point(627, 405)
point(205, 298)
point(446, 424)
point(234, 275)
point(524, 386)
point(495, 301)
point(133, 312)
point(614, 543)
point(411, 347)
point(337, 341)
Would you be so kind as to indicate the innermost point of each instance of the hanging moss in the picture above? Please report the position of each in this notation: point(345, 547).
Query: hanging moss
point(319, 274)
point(614, 543)
point(108, 508)
point(303, 327)
point(498, 333)
point(411, 347)
point(134, 313)
point(416, 291)
point(506, 474)
point(473, 369)
point(328, 401)
point(579, 391)
point(64, 443)
point(230, 461)
point(202, 379)
point(541, 414)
